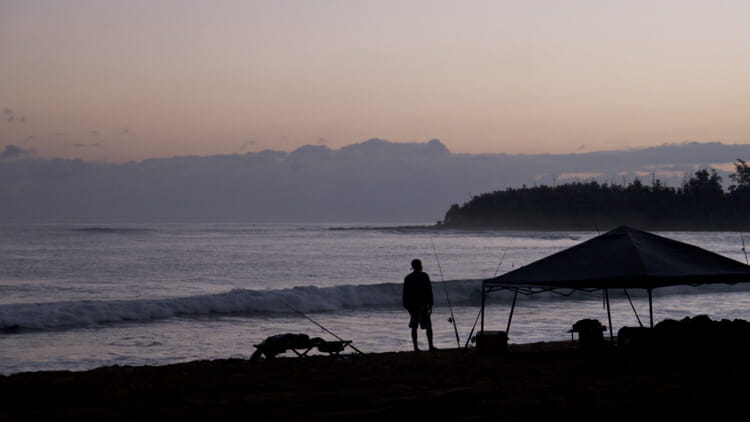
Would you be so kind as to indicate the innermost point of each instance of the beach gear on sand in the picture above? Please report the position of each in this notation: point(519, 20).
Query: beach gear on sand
point(323, 328)
point(300, 344)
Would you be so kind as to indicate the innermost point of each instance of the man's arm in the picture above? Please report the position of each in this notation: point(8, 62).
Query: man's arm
point(405, 296)
point(429, 290)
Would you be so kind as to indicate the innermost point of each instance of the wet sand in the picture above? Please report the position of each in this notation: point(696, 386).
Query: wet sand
point(530, 382)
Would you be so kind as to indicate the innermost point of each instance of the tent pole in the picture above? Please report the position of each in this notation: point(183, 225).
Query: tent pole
point(651, 308)
point(482, 310)
point(609, 317)
point(512, 307)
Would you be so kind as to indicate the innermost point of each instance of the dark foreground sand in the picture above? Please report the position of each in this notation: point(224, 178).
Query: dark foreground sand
point(532, 382)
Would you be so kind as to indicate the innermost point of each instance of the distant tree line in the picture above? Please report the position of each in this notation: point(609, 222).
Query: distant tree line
point(701, 203)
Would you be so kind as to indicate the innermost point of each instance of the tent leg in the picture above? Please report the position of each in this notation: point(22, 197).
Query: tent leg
point(609, 317)
point(482, 310)
point(512, 308)
point(651, 307)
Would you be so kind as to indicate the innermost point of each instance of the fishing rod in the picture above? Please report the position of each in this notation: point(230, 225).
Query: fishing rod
point(502, 258)
point(468, 339)
point(633, 306)
point(324, 328)
point(447, 298)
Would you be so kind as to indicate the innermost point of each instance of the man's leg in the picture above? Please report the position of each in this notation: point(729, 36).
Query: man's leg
point(429, 338)
point(414, 338)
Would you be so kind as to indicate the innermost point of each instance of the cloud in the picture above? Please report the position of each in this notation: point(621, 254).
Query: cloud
point(12, 117)
point(125, 131)
point(29, 139)
point(248, 144)
point(94, 132)
point(81, 145)
point(359, 182)
point(12, 152)
point(579, 176)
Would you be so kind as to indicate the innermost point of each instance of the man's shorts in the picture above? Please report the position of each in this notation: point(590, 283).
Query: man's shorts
point(421, 318)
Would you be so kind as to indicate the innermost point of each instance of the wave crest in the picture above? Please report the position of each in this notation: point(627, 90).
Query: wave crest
point(77, 314)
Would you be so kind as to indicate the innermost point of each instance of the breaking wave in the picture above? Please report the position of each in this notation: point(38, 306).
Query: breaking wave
point(87, 313)
point(271, 303)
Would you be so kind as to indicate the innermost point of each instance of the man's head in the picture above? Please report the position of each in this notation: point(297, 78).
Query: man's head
point(416, 265)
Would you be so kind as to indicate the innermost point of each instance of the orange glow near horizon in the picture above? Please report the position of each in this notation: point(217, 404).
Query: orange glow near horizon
point(119, 81)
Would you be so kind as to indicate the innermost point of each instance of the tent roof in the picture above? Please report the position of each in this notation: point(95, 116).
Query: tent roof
point(624, 258)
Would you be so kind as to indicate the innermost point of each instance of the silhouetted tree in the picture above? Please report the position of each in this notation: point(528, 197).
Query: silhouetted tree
point(704, 184)
point(741, 177)
point(739, 192)
point(700, 203)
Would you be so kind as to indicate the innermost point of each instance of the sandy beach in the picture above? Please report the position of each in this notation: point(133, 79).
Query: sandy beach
point(530, 382)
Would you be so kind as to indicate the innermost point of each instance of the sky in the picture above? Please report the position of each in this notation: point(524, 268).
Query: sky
point(114, 81)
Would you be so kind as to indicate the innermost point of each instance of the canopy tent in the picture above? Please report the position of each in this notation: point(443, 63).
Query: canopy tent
point(621, 258)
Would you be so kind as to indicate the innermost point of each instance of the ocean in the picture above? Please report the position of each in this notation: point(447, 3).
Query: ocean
point(78, 297)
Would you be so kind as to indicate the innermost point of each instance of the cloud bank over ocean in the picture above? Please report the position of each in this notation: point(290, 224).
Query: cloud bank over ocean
point(372, 181)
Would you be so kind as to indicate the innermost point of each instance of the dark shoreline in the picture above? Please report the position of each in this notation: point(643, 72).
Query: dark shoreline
point(531, 228)
point(528, 383)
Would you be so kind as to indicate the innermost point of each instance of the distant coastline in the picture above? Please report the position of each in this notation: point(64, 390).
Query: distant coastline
point(551, 226)
point(700, 204)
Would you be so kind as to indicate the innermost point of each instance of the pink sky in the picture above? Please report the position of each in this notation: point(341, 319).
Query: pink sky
point(128, 80)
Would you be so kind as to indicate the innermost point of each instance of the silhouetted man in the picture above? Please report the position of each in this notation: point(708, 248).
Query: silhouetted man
point(417, 299)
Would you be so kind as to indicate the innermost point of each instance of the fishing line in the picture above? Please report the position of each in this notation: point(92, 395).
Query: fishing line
point(502, 258)
point(324, 328)
point(743, 248)
point(447, 298)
